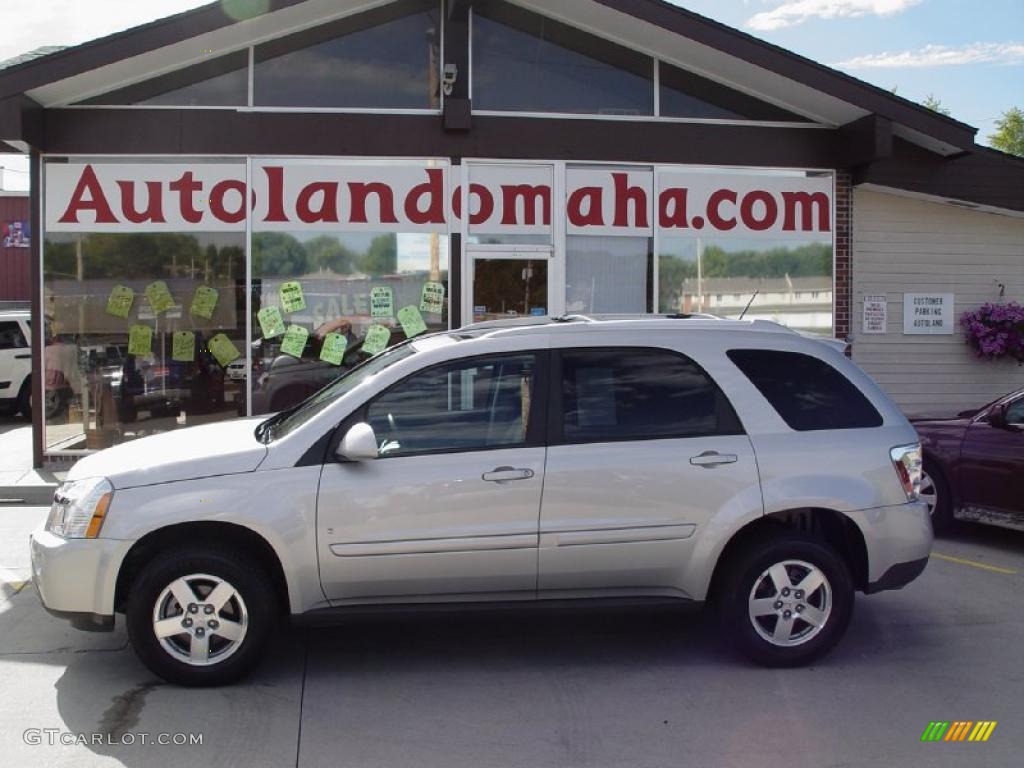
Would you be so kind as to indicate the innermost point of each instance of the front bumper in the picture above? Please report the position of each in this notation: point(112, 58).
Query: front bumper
point(76, 578)
point(898, 541)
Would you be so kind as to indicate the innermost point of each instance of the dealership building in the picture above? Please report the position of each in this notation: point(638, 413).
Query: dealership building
point(226, 212)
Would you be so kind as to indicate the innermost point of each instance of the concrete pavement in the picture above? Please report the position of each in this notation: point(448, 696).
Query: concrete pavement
point(637, 687)
point(20, 483)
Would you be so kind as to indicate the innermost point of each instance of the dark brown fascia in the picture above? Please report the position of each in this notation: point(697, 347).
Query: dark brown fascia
point(982, 176)
point(213, 132)
point(458, 10)
point(21, 119)
point(864, 141)
point(798, 68)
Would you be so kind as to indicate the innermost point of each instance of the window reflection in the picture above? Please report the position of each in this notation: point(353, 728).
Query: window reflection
point(113, 371)
point(221, 82)
point(350, 283)
point(525, 62)
point(788, 282)
point(387, 58)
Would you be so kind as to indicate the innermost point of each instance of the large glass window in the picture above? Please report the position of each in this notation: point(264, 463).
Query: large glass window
point(685, 94)
point(787, 281)
point(609, 275)
point(324, 301)
point(464, 406)
point(628, 394)
point(747, 243)
point(387, 58)
point(221, 82)
point(525, 62)
point(135, 333)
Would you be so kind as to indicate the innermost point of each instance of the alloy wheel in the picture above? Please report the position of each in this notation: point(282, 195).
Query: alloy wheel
point(790, 603)
point(200, 619)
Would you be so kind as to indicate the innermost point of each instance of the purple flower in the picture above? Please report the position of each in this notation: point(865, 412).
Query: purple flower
point(995, 330)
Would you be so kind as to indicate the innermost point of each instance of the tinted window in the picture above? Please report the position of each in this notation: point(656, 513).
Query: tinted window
point(383, 59)
point(1015, 412)
point(221, 82)
point(807, 393)
point(11, 336)
point(628, 394)
point(684, 94)
point(464, 406)
point(525, 62)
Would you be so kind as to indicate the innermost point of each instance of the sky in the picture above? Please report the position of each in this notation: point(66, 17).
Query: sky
point(967, 53)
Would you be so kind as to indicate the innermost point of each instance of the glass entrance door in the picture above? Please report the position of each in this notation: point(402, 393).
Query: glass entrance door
point(506, 284)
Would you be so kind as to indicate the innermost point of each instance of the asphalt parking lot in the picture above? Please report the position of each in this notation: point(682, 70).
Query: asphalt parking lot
point(622, 687)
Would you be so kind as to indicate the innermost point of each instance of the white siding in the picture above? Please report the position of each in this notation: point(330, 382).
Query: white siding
point(904, 245)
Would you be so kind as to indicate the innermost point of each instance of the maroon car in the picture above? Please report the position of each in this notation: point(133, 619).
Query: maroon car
point(974, 464)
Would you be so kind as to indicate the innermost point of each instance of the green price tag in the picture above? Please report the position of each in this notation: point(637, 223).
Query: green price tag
point(159, 296)
point(432, 299)
point(382, 302)
point(333, 349)
point(294, 341)
point(222, 349)
point(140, 340)
point(271, 322)
point(120, 302)
point(377, 338)
point(204, 301)
point(412, 321)
point(292, 299)
point(183, 346)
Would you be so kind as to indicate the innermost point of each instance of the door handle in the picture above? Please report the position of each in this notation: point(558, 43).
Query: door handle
point(710, 459)
point(24, 356)
point(504, 474)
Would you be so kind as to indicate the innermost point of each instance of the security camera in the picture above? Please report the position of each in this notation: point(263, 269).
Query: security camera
point(451, 74)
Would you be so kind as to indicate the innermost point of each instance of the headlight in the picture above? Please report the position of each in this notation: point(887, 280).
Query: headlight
point(79, 508)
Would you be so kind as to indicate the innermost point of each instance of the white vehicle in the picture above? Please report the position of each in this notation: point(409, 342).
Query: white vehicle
point(688, 459)
point(15, 361)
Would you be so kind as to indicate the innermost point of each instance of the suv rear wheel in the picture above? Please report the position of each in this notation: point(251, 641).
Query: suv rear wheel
point(200, 617)
point(787, 601)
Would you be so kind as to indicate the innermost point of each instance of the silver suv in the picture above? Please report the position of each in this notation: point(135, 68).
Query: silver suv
point(701, 460)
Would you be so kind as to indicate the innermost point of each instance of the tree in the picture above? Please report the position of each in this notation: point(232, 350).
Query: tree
point(935, 104)
point(277, 254)
point(381, 257)
point(327, 253)
point(1009, 135)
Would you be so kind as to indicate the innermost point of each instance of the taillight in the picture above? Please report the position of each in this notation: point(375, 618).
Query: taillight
point(907, 461)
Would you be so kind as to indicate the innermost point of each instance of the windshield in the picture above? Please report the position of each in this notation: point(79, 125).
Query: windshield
point(282, 423)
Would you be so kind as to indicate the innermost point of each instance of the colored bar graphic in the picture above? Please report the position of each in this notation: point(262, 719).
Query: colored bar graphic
point(958, 730)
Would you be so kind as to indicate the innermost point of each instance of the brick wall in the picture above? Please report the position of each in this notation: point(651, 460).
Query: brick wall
point(843, 231)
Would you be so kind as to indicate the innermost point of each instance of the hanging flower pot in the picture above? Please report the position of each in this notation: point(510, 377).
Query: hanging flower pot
point(996, 330)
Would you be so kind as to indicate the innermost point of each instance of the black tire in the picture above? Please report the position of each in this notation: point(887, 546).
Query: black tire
point(942, 510)
point(748, 567)
point(24, 406)
point(250, 583)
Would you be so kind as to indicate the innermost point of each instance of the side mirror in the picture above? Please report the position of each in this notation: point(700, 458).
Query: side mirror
point(997, 416)
point(358, 444)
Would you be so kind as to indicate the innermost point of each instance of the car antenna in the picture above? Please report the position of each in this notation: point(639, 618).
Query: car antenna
point(756, 291)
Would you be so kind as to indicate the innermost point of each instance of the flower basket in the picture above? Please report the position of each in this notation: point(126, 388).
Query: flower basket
point(996, 331)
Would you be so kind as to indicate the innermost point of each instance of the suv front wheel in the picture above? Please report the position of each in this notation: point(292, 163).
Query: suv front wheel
point(200, 617)
point(787, 601)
